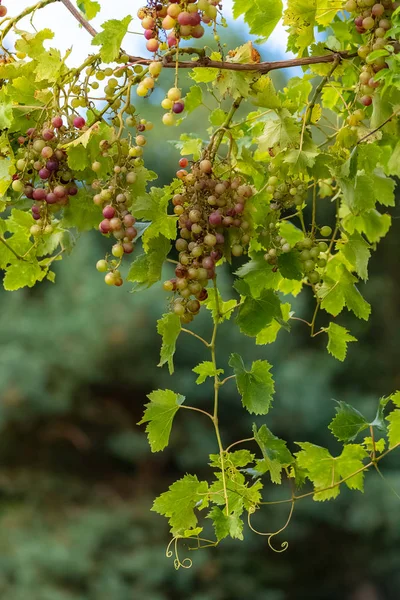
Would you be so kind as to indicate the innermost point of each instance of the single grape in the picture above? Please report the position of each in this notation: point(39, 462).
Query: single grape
point(326, 231)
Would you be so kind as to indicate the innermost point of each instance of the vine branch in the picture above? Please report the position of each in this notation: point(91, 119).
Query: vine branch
point(204, 61)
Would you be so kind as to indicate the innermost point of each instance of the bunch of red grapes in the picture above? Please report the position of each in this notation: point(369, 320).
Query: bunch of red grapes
point(3, 10)
point(373, 20)
point(172, 20)
point(211, 225)
point(43, 174)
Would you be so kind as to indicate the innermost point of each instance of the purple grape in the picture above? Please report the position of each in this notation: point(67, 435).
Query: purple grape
point(39, 194)
point(28, 191)
point(215, 219)
point(44, 173)
point(52, 165)
point(178, 108)
point(51, 198)
point(72, 190)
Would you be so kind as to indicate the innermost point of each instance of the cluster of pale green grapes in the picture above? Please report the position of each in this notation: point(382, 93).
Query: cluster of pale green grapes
point(373, 20)
point(286, 193)
point(312, 253)
point(212, 224)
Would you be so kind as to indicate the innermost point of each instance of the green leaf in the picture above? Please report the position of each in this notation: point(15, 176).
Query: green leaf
point(258, 275)
point(23, 274)
point(204, 370)
point(153, 207)
point(240, 495)
point(276, 455)
point(269, 334)
point(217, 117)
point(394, 428)
point(283, 132)
point(169, 327)
point(240, 458)
point(262, 16)
point(300, 160)
point(325, 471)
point(194, 98)
point(356, 251)
point(395, 398)
point(256, 313)
point(146, 269)
point(340, 291)
point(224, 525)
point(290, 266)
point(110, 39)
point(6, 112)
point(263, 93)
point(338, 338)
point(159, 414)
point(89, 8)
point(255, 386)
point(220, 309)
point(179, 501)
point(347, 423)
point(81, 212)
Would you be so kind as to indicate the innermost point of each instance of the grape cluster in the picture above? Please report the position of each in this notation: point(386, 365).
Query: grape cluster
point(43, 174)
point(286, 193)
point(3, 10)
point(114, 198)
point(211, 223)
point(166, 22)
point(373, 19)
point(312, 254)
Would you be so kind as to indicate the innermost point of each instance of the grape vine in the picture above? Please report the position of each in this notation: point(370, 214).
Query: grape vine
point(248, 200)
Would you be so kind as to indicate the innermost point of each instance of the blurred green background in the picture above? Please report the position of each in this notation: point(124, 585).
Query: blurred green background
point(77, 478)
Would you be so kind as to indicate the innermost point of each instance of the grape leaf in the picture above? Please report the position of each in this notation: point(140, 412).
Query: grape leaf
point(262, 16)
point(110, 39)
point(224, 525)
point(394, 428)
point(204, 370)
point(395, 398)
point(23, 274)
point(240, 495)
point(259, 275)
point(263, 93)
point(169, 327)
point(255, 386)
point(356, 250)
point(89, 7)
point(220, 309)
point(325, 471)
point(194, 98)
point(283, 132)
point(338, 338)
point(340, 291)
point(179, 501)
point(146, 269)
point(240, 458)
point(347, 423)
point(290, 266)
point(269, 334)
point(256, 313)
point(276, 455)
point(159, 414)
